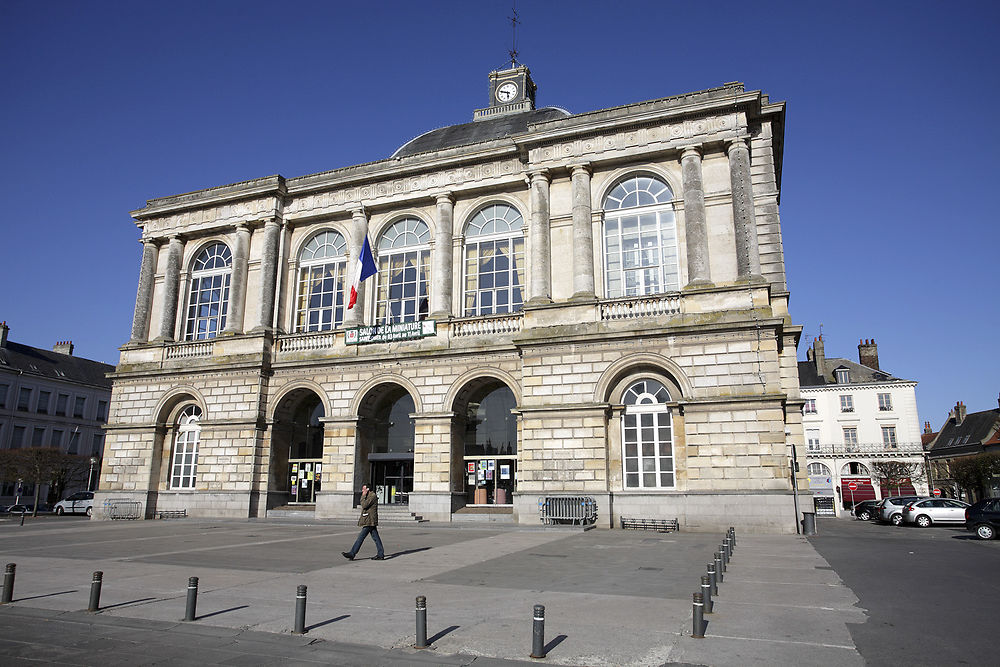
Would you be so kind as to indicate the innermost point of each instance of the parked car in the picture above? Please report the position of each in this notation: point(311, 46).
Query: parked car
point(81, 502)
point(865, 510)
point(934, 510)
point(18, 509)
point(983, 518)
point(890, 510)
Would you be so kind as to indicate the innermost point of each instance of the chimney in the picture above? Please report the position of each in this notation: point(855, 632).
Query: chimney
point(4, 329)
point(960, 413)
point(868, 354)
point(819, 357)
point(927, 427)
point(63, 347)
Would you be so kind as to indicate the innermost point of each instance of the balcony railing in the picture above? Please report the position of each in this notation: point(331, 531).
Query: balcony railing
point(648, 306)
point(190, 350)
point(869, 448)
point(306, 341)
point(487, 326)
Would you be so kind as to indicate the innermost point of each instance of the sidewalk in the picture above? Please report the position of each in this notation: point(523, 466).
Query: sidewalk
point(611, 597)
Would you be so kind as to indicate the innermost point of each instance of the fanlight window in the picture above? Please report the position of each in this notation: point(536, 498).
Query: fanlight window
point(322, 269)
point(403, 267)
point(647, 436)
point(854, 468)
point(208, 302)
point(184, 463)
point(494, 261)
point(818, 469)
point(640, 238)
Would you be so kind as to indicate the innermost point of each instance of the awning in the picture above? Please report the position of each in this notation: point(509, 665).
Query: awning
point(863, 491)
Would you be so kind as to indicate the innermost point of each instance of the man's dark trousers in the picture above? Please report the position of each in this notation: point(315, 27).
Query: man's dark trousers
point(361, 538)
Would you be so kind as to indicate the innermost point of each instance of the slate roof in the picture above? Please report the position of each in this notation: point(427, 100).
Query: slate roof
point(49, 364)
point(478, 131)
point(859, 374)
point(969, 436)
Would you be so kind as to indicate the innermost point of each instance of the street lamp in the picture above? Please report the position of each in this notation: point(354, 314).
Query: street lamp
point(90, 477)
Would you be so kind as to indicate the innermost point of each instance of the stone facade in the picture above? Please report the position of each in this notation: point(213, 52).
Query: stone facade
point(721, 343)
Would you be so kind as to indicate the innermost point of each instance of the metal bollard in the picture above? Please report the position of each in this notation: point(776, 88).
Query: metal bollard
point(421, 622)
point(706, 593)
point(538, 632)
point(8, 583)
point(712, 580)
point(725, 559)
point(698, 617)
point(729, 548)
point(732, 536)
point(300, 611)
point(190, 613)
point(22, 518)
point(95, 591)
point(719, 577)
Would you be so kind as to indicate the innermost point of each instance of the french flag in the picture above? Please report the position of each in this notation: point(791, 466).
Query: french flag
point(364, 269)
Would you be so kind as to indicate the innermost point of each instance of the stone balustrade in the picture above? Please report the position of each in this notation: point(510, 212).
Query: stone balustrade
point(189, 350)
point(651, 306)
point(486, 326)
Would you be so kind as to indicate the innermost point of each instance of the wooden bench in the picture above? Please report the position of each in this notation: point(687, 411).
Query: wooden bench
point(170, 514)
point(660, 525)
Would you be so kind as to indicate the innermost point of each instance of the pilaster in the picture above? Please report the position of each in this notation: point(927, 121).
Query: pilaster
point(583, 236)
point(744, 217)
point(171, 288)
point(442, 278)
point(238, 286)
point(269, 274)
point(540, 259)
point(144, 294)
point(695, 226)
point(354, 317)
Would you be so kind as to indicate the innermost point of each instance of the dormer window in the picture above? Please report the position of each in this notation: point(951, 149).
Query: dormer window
point(843, 376)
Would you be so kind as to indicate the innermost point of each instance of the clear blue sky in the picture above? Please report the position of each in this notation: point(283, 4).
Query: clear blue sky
point(891, 142)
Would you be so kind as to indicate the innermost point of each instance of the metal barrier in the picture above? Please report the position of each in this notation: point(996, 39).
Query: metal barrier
point(122, 509)
point(582, 509)
point(661, 525)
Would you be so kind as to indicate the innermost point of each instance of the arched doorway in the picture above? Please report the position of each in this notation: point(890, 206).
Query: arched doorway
point(296, 470)
point(486, 430)
point(385, 443)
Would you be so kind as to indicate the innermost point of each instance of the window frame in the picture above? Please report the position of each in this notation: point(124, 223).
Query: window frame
point(843, 375)
point(652, 401)
point(197, 288)
point(847, 403)
point(512, 239)
point(809, 406)
point(314, 271)
point(851, 441)
point(24, 399)
point(397, 256)
point(884, 401)
point(183, 472)
point(42, 404)
point(889, 440)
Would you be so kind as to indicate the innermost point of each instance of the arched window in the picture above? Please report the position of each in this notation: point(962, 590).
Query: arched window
point(640, 238)
point(818, 469)
point(854, 468)
point(647, 437)
point(184, 463)
point(494, 261)
point(403, 265)
point(322, 266)
point(209, 299)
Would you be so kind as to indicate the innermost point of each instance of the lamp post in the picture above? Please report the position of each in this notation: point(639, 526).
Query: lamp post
point(90, 477)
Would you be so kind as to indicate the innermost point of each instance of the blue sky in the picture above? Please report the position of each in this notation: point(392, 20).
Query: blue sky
point(891, 141)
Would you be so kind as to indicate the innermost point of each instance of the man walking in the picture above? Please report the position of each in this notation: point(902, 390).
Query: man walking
point(369, 524)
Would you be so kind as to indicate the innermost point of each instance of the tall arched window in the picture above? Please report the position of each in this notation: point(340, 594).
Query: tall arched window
point(403, 265)
point(817, 468)
point(494, 261)
point(854, 468)
point(184, 462)
point(640, 238)
point(209, 299)
point(647, 436)
point(322, 266)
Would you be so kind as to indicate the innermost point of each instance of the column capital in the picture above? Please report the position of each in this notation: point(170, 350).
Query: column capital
point(150, 241)
point(691, 151)
point(578, 167)
point(243, 226)
point(738, 142)
point(359, 213)
point(539, 175)
point(175, 238)
point(445, 197)
point(270, 221)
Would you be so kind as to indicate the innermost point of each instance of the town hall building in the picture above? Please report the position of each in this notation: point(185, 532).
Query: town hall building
point(563, 305)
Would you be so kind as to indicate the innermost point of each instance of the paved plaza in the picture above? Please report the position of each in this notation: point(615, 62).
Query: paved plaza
point(611, 597)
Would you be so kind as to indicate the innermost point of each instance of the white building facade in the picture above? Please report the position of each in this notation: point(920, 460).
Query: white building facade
point(564, 305)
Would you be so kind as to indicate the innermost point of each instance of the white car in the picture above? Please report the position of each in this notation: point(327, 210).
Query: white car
point(81, 502)
point(934, 510)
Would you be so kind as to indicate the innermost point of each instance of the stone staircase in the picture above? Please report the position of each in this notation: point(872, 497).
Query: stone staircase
point(398, 514)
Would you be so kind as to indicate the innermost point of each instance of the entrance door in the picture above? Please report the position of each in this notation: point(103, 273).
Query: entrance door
point(306, 477)
point(393, 481)
point(490, 480)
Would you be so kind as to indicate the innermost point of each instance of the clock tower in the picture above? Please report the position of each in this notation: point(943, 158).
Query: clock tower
point(511, 91)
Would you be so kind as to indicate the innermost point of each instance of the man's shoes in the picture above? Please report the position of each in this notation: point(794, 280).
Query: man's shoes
point(347, 555)
point(378, 557)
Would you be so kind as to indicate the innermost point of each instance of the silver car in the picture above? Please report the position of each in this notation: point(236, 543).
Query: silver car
point(890, 510)
point(934, 510)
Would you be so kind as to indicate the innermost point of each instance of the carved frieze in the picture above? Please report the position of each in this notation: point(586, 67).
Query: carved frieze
point(226, 214)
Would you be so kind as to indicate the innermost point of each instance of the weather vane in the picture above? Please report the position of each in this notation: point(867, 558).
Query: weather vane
point(513, 44)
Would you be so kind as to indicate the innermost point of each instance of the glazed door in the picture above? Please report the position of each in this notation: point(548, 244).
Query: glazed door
point(306, 477)
point(393, 481)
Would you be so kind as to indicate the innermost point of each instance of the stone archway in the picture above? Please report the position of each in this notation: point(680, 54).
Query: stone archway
point(385, 443)
point(484, 444)
point(295, 473)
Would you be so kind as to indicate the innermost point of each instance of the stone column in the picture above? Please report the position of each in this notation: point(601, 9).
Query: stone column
point(268, 274)
point(744, 218)
point(696, 228)
point(171, 287)
point(583, 235)
point(144, 295)
point(238, 284)
point(442, 272)
point(539, 260)
point(359, 229)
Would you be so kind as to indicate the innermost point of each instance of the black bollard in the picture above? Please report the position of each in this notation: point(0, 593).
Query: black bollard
point(698, 617)
point(711, 578)
point(22, 517)
point(8, 583)
point(538, 632)
point(719, 570)
point(300, 611)
point(732, 537)
point(95, 591)
point(421, 622)
point(192, 599)
point(729, 548)
point(725, 560)
point(706, 593)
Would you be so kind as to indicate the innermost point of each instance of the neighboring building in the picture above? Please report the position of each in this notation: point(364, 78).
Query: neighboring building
point(50, 399)
point(963, 435)
point(563, 305)
point(858, 421)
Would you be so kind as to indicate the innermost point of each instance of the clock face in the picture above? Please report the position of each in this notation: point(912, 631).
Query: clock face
point(507, 91)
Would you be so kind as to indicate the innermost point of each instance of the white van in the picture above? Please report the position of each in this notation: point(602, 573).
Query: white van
point(81, 502)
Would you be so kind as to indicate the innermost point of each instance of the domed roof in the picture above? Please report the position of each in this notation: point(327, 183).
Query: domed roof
point(478, 131)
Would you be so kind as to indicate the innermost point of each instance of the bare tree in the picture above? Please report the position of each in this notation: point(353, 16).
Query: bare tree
point(896, 473)
point(39, 465)
point(975, 474)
